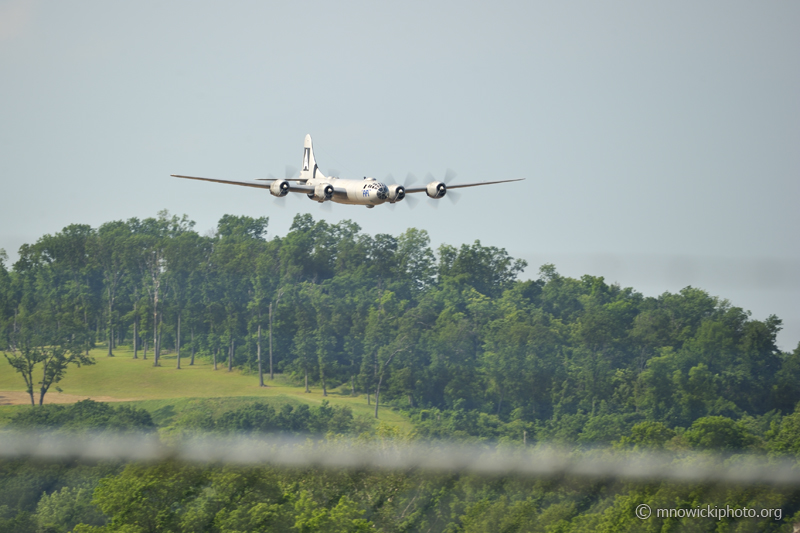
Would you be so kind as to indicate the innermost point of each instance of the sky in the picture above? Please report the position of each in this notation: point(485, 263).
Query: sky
point(659, 142)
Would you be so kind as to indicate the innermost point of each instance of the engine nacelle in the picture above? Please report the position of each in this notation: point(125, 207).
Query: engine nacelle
point(322, 192)
point(436, 189)
point(396, 193)
point(279, 188)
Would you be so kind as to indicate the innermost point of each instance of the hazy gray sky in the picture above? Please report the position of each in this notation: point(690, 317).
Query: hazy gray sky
point(661, 143)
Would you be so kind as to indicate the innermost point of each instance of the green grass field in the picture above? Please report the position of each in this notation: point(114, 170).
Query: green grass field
point(155, 388)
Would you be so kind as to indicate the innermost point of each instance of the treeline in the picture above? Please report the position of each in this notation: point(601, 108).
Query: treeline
point(251, 417)
point(385, 315)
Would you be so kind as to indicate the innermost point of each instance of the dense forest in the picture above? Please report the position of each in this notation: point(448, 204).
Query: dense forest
point(452, 337)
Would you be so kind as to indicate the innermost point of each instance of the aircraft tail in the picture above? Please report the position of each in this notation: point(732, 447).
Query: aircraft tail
point(309, 169)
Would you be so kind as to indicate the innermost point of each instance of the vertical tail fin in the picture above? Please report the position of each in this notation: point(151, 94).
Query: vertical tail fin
point(309, 169)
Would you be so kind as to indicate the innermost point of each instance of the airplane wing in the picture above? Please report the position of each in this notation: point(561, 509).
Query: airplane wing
point(462, 185)
point(230, 182)
point(292, 188)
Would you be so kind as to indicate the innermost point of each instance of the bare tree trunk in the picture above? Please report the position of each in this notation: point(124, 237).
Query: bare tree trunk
point(155, 327)
point(278, 299)
point(160, 333)
point(216, 350)
point(111, 344)
point(260, 372)
point(307, 382)
point(192, 361)
point(230, 357)
point(144, 345)
point(178, 341)
point(44, 376)
point(156, 287)
point(378, 395)
point(86, 324)
point(110, 327)
point(369, 394)
point(271, 374)
point(384, 366)
point(135, 334)
point(353, 385)
point(157, 341)
point(321, 362)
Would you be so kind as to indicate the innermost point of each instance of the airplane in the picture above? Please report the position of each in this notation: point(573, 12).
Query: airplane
point(369, 192)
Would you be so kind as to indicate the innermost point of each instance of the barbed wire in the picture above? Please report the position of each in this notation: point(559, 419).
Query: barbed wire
point(435, 457)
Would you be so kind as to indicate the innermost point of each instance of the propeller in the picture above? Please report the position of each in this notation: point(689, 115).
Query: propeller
point(408, 182)
point(429, 178)
point(412, 202)
point(276, 201)
point(449, 175)
point(291, 172)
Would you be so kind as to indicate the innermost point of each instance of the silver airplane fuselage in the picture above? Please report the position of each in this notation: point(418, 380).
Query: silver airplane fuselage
point(367, 191)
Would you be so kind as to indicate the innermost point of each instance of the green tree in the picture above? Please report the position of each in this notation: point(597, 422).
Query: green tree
point(233, 260)
point(344, 517)
point(784, 436)
point(648, 435)
point(149, 499)
point(487, 269)
point(108, 248)
point(44, 341)
point(717, 433)
point(7, 305)
point(62, 510)
point(183, 255)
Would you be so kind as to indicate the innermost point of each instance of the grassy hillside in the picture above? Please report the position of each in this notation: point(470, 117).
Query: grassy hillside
point(165, 387)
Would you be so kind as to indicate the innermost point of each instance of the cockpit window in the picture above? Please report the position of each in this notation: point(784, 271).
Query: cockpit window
point(382, 190)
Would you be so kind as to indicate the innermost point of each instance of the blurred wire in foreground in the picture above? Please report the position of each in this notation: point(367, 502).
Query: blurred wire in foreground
point(538, 461)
